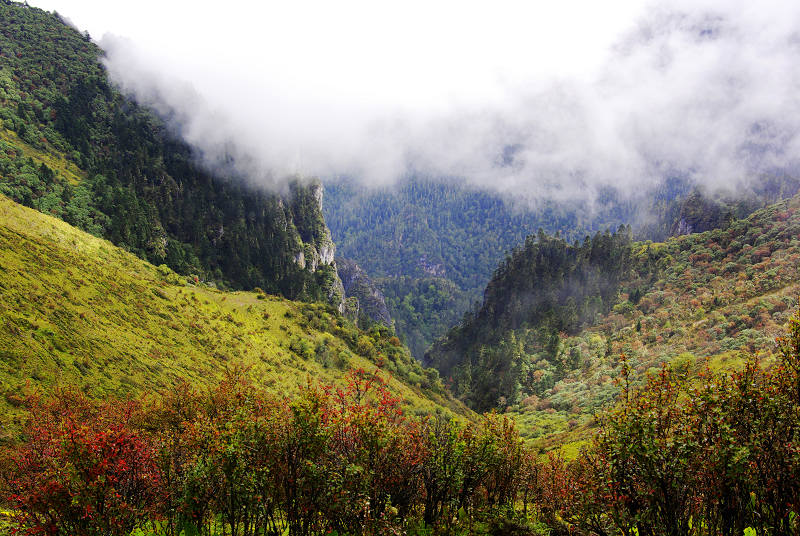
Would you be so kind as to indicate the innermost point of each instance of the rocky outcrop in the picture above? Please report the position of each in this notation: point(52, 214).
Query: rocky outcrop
point(315, 249)
point(433, 269)
point(370, 302)
point(327, 252)
point(699, 214)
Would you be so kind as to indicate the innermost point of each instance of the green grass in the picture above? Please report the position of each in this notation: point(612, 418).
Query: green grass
point(52, 158)
point(76, 310)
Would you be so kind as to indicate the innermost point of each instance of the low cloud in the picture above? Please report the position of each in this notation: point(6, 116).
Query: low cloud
point(709, 91)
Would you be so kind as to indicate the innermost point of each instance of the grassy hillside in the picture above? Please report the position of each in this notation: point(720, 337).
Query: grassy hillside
point(697, 301)
point(74, 309)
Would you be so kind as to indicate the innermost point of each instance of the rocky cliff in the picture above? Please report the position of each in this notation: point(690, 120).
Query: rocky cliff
point(368, 301)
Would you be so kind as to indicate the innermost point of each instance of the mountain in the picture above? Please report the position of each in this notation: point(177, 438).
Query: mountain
point(560, 321)
point(431, 246)
point(76, 310)
point(547, 286)
point(73, 146)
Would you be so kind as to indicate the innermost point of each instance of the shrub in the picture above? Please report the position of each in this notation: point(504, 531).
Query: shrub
point(83, 470)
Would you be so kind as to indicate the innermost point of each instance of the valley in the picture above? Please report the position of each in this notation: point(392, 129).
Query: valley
point(196, 342)
point(78, 311)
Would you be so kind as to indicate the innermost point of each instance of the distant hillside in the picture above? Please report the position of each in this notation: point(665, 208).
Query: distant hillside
point(423, 308)
point(431, 245)
point(76, 310)
point(548, 287)
point(72, 146)
point(559, 321)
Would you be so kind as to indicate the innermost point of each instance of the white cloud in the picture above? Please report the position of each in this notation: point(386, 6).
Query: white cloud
point(543, 101)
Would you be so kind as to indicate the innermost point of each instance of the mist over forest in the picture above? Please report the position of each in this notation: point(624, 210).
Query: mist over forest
point(701, 90)
point(417, 269)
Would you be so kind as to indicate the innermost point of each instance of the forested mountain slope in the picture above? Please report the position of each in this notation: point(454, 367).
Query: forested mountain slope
point(72, 146)
point(431, 245)
point(559, 322)
point(547, 285)
point(76, 310)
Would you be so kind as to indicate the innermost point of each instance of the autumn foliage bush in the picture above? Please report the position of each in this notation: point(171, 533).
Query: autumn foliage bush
point(83, 469)
point(239, 461)
point(710, 456)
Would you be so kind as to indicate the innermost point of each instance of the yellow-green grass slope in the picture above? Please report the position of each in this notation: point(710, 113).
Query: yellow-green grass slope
point(75, 310)
point(49, 156)
point(716, 298)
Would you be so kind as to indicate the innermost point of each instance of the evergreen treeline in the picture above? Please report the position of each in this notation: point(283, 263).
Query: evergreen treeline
point(130, 180)
point(672, 459)
point(547, 285)
point(437, 237)
point(426, 232)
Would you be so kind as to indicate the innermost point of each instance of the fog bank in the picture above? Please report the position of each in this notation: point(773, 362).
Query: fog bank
point(547, 104)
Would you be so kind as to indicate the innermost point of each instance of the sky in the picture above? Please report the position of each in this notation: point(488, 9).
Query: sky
point(540, 99)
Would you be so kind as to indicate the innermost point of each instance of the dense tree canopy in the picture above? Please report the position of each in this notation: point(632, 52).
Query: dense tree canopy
point(431, 245)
